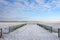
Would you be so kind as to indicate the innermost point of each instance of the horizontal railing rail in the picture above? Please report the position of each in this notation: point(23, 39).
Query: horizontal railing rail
point(45, 27)
point(13, 28)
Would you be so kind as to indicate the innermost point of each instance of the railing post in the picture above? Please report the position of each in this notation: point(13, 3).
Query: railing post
point(51, 30)
point(0, 32)
point(58, 32)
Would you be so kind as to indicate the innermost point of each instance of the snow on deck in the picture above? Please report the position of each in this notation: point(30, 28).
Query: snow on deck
point(30, 32)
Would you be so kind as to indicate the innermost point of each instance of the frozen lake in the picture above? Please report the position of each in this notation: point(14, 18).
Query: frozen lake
point(7, 24)
point(30, 32)
point(54, 25)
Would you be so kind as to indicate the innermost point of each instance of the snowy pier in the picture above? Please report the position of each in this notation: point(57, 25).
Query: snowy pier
point(30, 32)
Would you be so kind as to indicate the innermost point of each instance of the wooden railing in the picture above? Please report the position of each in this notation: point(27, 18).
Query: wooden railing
point(11, 29)
point(46, 27)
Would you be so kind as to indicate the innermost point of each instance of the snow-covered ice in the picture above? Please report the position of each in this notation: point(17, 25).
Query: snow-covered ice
point(8, 24)
point(30, 32)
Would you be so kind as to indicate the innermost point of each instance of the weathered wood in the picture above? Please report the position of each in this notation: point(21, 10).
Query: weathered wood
point(49, 28)
point(58, 32)
point(11, 29)
point(0, 32)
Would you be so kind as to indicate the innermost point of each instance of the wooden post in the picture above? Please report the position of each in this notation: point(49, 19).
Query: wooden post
point(0, 32)
point(51, 30)
point(58, 32)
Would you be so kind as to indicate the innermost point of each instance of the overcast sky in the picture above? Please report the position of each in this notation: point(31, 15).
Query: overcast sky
point(29, 10)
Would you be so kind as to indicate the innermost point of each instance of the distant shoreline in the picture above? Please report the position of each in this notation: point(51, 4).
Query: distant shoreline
point(13, 21)
point(19, 21)
point(28, 21)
